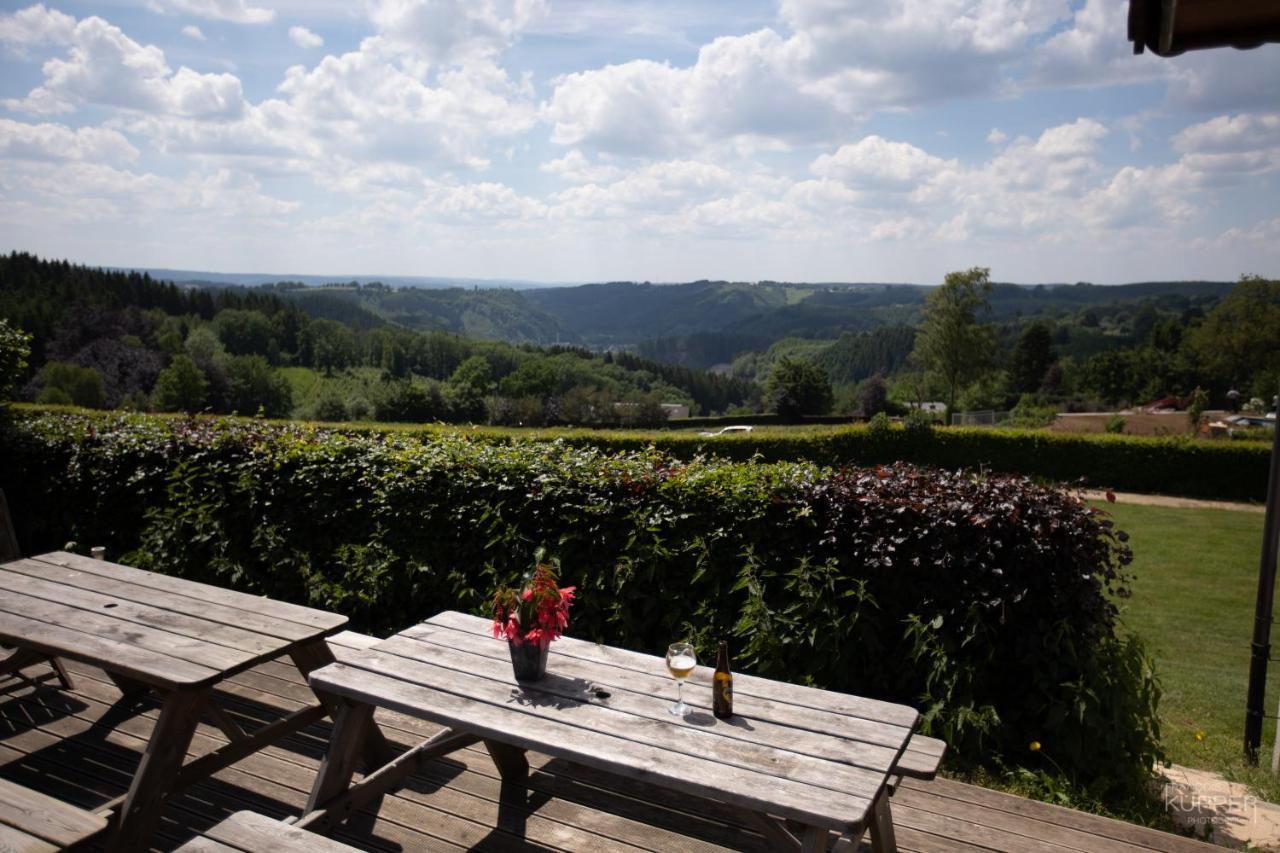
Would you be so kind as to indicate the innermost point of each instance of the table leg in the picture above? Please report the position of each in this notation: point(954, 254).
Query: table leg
point(815, 840)
point(350, 726)
point(158, 772)
point(376, 750)
point(882, 839)
point(510, 761)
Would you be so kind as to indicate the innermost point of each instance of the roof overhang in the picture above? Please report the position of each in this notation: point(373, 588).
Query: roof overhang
point(1170, 27)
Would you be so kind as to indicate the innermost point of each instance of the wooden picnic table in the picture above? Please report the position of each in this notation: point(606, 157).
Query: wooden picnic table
point(819, 759)
point(153, 632)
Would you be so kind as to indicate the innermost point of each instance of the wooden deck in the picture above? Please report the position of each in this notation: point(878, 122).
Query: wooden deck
point(80, 747)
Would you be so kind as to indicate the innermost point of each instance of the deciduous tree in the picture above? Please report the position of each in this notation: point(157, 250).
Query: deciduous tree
point(952, 344)
point(797, 387)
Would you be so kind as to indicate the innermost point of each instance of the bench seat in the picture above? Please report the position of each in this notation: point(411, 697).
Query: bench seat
point(921, 759)
point(32, 822)
point(250, 832)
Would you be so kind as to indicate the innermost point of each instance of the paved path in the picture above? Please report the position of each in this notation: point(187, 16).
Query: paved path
point(1165, 500)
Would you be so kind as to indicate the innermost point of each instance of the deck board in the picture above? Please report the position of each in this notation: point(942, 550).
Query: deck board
point(48, 742)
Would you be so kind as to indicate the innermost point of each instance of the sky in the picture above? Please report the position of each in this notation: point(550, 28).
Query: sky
point(662, 140)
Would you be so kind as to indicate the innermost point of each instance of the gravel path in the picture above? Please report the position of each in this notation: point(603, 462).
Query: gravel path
point(1164, 500)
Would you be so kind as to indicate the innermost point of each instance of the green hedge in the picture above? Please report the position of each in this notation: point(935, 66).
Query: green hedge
point(1171, 466)
point(983, 600)
point(1194, 468)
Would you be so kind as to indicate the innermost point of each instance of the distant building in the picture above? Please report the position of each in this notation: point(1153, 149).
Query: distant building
point(930, 407)
point(675, 410)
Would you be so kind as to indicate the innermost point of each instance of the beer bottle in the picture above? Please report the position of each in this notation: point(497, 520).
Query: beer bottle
point(722, 684)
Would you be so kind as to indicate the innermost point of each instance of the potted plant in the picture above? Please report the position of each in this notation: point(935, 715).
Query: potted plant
point(530, 619)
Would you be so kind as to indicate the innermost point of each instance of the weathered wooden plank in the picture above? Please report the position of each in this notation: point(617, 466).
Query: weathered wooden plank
point(922, 757)
point(201, 592)
point(850, 740)
point(353, 640)
point(308, 657)
point(257, 622)
point(1043, 821)
point(816, 840)
point(13, 840)
point(392, 775)
point(106, 626)
point(44, 817)
point(449, 814)
point(745, 788)
point(743, 684)
point(166, 620)
point(585, 787)
point(158, 771)
point(200, 844)
point(624, 810)
point(883, 838)
point(574, 702)
point(262, 787)
point(127, 658)
point(255, 833)
point(978, 834)
point(350, 724)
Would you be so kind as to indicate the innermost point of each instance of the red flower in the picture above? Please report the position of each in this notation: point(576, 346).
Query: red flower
point(538, 614)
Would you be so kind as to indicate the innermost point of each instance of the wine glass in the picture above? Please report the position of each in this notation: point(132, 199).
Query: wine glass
point(681, 659)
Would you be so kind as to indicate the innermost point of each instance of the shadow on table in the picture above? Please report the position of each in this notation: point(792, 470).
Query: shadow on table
point(554, 691)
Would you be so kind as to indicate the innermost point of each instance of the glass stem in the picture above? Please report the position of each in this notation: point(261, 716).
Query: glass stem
point(680, 692)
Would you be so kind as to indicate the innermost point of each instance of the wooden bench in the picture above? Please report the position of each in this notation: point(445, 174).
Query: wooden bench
point(922, 758)
point(250, 832)
point(944, 816)
point(32, 822)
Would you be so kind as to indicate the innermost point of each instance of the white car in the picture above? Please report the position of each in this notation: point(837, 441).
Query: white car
point(729, 430)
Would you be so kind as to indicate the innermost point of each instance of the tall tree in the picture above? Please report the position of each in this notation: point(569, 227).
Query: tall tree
point(952, 344)
point(797, 387)
point(1240, 339)
point(180, 387)
point(1031, 358)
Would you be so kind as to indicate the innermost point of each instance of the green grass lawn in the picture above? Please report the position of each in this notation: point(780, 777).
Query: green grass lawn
point(1192, 604)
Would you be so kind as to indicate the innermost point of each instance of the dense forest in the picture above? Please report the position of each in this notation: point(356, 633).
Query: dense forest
point(117, 339)
point(614, 353)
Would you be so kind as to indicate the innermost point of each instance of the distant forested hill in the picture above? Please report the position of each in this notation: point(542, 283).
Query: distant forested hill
point(492, 314)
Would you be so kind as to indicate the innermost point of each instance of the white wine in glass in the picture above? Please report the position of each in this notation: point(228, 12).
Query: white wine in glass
point(681, 659)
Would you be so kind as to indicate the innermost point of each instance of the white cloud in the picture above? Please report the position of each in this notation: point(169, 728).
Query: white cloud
point(876, 163)
point(1092, 51)
point(36, 25)
point(107, 68)
point(453, 31)
point(1263, 236)
point(369, 105)
point(1244, 132)
point(21, 141)
point(1223, 80)
point(60, 189)
point(191, 31)
point(842, 60)
point(575, 167)
point(997, 136)
point(304, 38)
point(235, 11)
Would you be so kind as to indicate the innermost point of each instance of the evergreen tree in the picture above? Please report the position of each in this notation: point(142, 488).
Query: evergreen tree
point(1031, 358)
